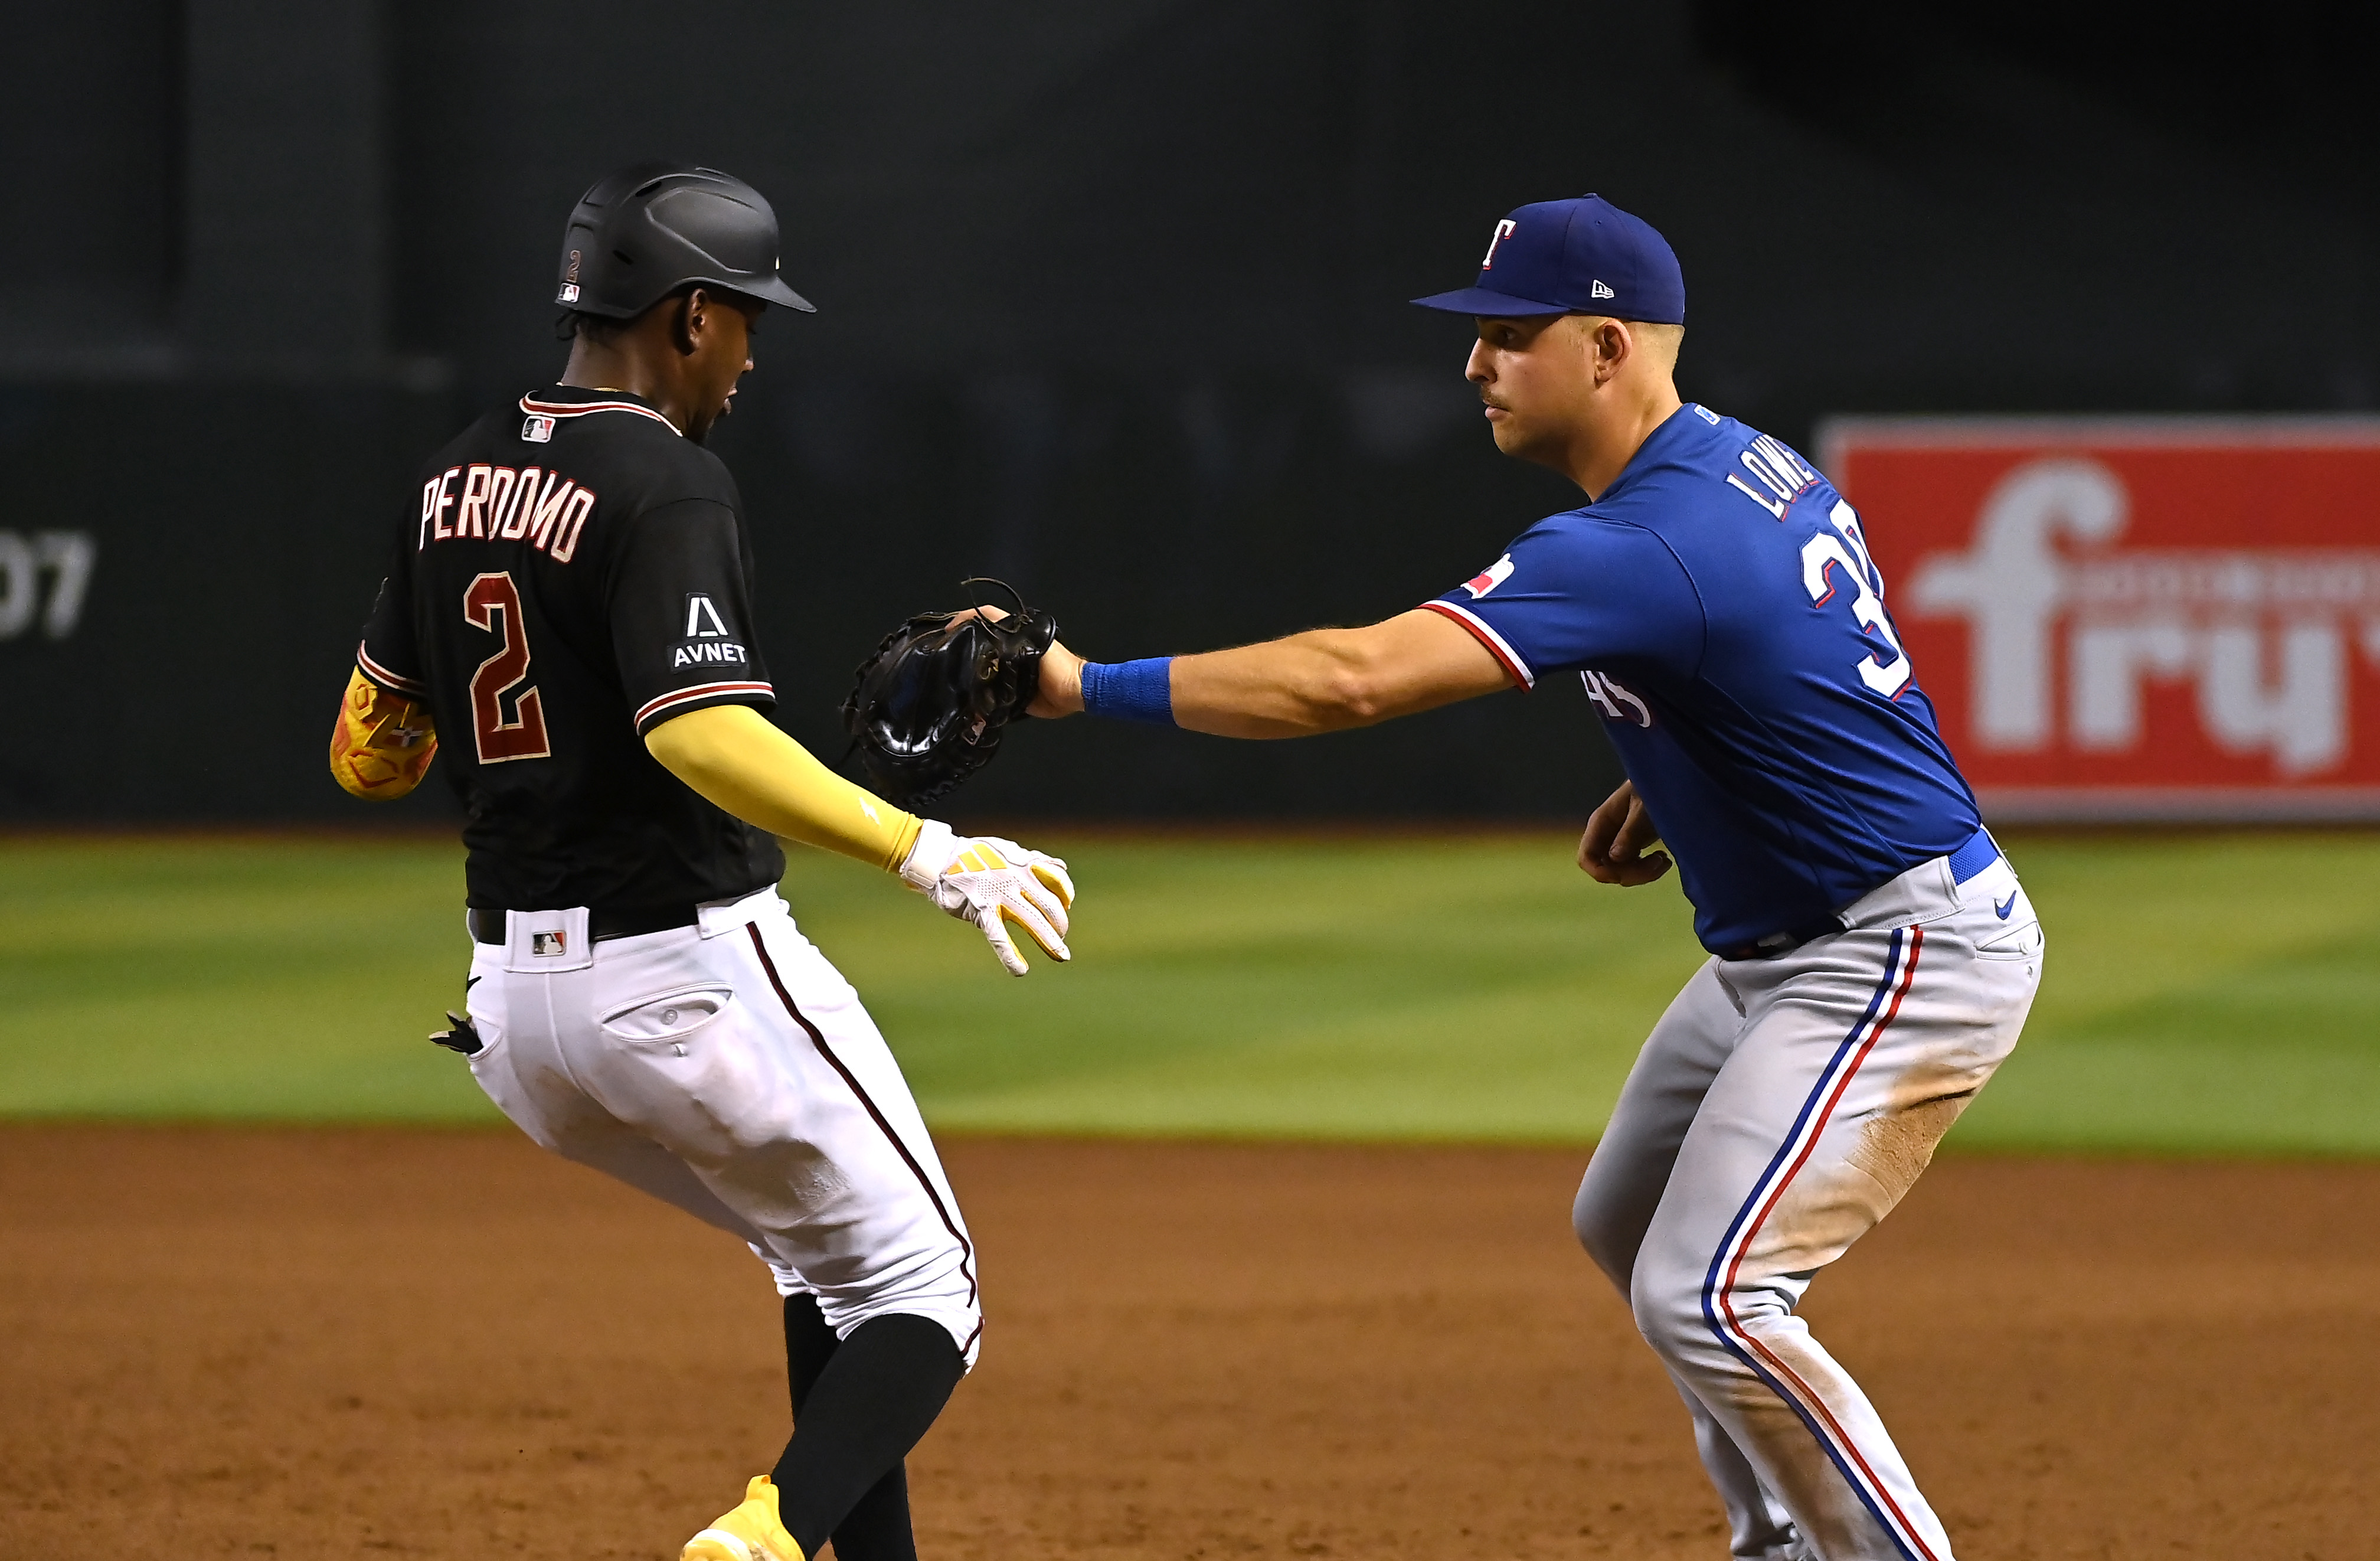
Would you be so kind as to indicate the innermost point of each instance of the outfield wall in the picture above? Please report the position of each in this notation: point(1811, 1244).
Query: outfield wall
point(183, 574)
point(1113, 304)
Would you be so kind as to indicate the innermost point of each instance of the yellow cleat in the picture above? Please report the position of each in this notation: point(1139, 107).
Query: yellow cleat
point(751, 1532)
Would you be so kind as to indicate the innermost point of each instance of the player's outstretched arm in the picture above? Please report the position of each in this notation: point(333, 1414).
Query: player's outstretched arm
point(382, 743)
point(733, 757)
point(1322, 680)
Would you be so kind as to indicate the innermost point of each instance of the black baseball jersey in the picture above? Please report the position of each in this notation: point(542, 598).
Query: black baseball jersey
point(576, 575)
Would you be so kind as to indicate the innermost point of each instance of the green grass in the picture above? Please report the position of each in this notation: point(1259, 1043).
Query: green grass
point(2204, 995)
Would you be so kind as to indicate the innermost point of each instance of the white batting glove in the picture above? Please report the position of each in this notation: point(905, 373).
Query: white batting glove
point(992, 882)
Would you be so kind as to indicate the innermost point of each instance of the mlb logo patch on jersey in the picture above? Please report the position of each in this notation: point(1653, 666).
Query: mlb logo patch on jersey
point(1489, 578)
point(538, 429)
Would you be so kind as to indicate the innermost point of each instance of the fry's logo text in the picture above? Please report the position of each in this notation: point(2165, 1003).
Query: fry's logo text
point(2118, 619)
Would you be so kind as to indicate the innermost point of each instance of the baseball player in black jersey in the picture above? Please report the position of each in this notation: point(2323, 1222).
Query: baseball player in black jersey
point(569, 610)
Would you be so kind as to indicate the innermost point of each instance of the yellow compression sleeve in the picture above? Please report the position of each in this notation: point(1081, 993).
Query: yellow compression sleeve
point(383, 742)
point(731, 755)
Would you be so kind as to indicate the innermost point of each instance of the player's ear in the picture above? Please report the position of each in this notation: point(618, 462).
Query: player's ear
point(1611, 346)
point(686, 321)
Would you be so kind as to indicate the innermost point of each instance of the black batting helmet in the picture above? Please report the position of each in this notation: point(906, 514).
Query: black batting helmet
point(647, 230)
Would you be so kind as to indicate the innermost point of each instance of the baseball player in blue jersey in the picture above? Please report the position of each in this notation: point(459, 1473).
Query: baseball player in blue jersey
point(1873, 954)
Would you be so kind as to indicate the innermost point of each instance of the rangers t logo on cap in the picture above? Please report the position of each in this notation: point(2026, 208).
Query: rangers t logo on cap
point(1503, 231)
point(1581, 256)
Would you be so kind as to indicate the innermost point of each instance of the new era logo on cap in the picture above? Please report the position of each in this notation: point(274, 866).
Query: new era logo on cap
point(1581, 256)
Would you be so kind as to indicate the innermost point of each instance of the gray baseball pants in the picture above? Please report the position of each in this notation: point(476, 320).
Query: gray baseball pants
point(1778, 1110)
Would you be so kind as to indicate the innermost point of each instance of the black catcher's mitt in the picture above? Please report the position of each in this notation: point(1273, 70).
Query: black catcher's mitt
point(928, 709)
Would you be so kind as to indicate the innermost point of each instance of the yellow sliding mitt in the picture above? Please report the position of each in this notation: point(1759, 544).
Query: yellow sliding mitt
point(383, 743)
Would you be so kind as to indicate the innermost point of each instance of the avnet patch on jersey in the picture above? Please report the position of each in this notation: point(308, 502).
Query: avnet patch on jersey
point(707, 652)
point(708, 642)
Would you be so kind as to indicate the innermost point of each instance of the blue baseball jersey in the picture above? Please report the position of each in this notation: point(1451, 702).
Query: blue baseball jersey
point(1719, 603)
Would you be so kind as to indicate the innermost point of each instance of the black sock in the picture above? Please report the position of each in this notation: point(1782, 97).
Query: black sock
point(859, 1406)
point(877, 1527)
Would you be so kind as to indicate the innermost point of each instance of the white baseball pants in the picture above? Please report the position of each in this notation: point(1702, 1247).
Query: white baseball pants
point(1778, 1110)
point(728, 1069)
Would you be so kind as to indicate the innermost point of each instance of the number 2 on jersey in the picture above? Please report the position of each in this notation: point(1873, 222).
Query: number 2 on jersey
point(1848, 551)
point(492, 603)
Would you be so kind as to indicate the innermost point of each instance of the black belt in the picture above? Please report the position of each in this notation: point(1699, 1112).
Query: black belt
point(488, 925)
point(1969, 860)
point(1785, 942)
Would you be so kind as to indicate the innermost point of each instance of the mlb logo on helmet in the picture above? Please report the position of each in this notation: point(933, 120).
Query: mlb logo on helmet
point(1581, 256)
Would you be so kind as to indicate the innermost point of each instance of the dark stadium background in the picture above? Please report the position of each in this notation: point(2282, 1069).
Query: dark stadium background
point(1112, 306)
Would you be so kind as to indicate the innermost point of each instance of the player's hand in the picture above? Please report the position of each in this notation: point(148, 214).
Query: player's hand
point(991, 883)
point(1612, 849)
point(1060, 689)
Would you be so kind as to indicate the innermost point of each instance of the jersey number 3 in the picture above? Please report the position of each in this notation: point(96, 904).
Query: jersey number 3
point(1845, 548)
point(493, 603)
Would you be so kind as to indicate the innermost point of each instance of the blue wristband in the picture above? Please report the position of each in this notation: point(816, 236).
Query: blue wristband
point(1130, 691)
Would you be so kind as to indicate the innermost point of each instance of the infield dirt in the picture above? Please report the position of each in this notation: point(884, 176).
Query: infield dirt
point(219, 1343)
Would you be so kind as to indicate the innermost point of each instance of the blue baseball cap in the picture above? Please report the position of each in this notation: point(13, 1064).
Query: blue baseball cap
point(1582, 256)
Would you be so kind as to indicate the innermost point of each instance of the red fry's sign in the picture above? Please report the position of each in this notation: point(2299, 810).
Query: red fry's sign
point(2143, 619)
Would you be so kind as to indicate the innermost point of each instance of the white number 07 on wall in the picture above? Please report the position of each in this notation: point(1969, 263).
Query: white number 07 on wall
point(66, 557)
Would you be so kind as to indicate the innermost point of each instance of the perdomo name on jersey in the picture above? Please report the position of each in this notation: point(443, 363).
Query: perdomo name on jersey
point(497, 502)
